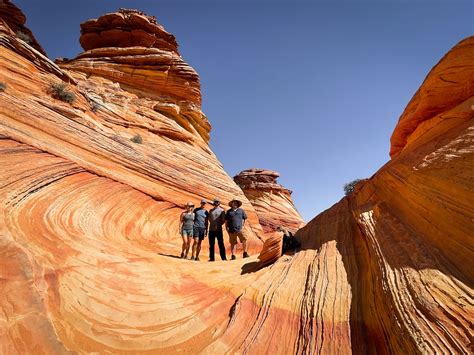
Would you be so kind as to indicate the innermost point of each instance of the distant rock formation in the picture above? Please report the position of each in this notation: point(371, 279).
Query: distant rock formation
point(14, 22)
point(91, 192)
point(272, 202)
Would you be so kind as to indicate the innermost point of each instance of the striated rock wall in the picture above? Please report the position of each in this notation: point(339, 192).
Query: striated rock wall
point(13, 21)
point(88, 227)
point(89, 218)
point(272, 202)
point(393, 262)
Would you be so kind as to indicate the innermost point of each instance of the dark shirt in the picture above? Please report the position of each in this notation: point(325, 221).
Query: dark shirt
point(200, 217)
point(235, 219)
point(216, 219)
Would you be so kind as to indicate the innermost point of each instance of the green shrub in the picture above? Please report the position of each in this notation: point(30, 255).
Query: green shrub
point(3, 87)
point(350, 186)
point(60, 92)
point(24, 37)
point(137, 139)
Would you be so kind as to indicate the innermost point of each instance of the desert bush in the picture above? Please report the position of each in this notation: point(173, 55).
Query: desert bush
point(3, 87)
point(60, 92)
point(24, 37)
point(95, 106)
point(137, 139)
point(350, 186)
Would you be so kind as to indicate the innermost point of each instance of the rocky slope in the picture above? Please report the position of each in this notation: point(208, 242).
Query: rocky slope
point(393, 262)
point(88, 218)
point(272, 202)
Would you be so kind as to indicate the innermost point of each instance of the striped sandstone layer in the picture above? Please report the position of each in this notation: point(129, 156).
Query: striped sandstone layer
point(88, 230)
point(272, 202)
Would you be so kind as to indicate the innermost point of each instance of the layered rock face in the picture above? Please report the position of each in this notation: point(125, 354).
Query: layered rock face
point(88, 224)
point(393, 263)
point(13, 21)
point(272, 202)
point(274, 207)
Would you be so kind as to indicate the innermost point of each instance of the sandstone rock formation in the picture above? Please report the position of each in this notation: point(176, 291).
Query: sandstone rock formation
point(392, 265)
point(88, 221)
point(272, 202)
point(274, 207)
point(13, 21)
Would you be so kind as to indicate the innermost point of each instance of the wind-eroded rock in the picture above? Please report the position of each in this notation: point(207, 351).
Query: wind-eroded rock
point(135, 52)
point(14, 19)
point(88, 231)
point(272, 202)
point(274, 207)
point(448, 85)
point(394, 262)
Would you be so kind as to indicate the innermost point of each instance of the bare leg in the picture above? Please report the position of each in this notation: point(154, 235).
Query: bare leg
point(244, 246)
point(183, 247)
point(188, 244)
point(194, 248)
point(198, 249)
point(232, 248)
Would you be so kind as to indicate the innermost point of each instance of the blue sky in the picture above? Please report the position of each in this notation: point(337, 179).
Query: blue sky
point(311, 89)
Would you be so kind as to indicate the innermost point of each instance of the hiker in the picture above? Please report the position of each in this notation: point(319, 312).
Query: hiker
point(235, 221)
point(200, 229)
point(186, 223)
point(216, 220)
point(289, 241)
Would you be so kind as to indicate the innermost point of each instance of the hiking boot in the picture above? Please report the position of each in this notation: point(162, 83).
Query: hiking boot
point(246, 255)
point(182, 255)
point(211, 259)
point(233, 257)
point(196, 258)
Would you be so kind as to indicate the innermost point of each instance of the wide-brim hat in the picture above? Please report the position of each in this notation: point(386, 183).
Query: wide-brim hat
point(236, 200)
point(189, 204)
point(216, 201)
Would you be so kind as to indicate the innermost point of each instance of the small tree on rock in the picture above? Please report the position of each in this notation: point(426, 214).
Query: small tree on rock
point(350, 186)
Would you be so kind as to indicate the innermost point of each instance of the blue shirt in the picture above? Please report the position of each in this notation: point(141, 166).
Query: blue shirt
point(235, 219)
point(200, 217)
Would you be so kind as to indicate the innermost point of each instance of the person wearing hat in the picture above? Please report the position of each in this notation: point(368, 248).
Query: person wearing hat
point(216, 220)
point(235, 221)
point(186, 224)
point(201, 223)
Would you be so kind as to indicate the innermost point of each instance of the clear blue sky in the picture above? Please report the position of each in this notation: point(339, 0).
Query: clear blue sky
point(311, 89)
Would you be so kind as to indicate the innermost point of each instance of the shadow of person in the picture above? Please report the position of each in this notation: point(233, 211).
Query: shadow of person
point(250, 267)
point(169, 255)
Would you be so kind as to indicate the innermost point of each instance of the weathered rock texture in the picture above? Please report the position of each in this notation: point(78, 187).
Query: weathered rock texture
point(392, 265)
point(13, 21)
point(87, 218)
point(272, 202)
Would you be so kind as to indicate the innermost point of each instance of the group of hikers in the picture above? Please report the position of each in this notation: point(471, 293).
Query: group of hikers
point(197, 223)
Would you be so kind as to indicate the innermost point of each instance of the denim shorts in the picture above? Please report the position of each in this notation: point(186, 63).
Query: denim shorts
point(187, 232)
point(199, 232)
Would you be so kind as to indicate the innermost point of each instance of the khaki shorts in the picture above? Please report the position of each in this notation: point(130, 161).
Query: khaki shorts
point(240, 235)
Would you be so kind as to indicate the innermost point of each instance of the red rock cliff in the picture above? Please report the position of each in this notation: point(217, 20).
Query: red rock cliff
point(88, 224)
point(392, 265)
point(88, 216)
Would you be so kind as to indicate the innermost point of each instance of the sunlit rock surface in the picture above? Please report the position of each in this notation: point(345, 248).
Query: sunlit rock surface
point(13, 21)
point(274, 207)
point(392, 265)
point(272, 202)
point(88, 228)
